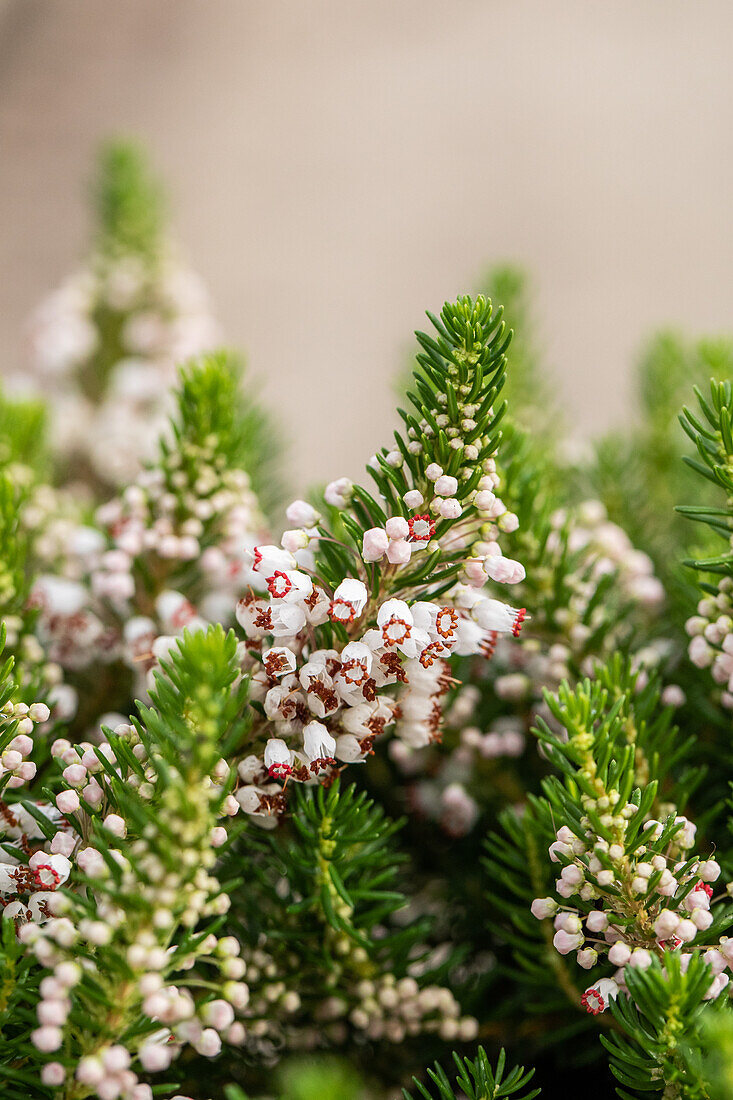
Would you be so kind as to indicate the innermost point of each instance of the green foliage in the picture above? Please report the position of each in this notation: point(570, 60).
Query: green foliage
point(197, 715)
point(128, 202)
point(18, 992)
point(714, 462)
point(539, 982)
point(661, 1022)
point(341, 863)
point(321, 888)
point(465, 361)
point(198, 712)
point(23, 437)
point(16, 613)
point(529, 392)
point(670, 366)
point(717, 1046)
point(477, 1080)
point(453, 422)
point(13, 551)
point(319, 1080)
point(639, 473)
point(312, 1079)
point(221, 424)
point(619, 738)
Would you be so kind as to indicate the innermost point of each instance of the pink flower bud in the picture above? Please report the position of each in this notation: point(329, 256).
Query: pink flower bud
point(715, 960)
point(446, 486)
point(619, 954)
point(475, 574)
point(63, 844)
point(218, 1014)
point(90, 1071)
point(22, 744)
point(504, 570)
point(709, 871)
point(47, 1038)
point(93, 794)
point(208, 1043)
point(596, 921)
point(53, 1074)
point(67, 802)
point(91, 862)
point(115, 824)
point(75, 775)
point(375, 544)
point(701, 918)
point(116, 1058)
point(295, 540)
point(673, 696)
point(399, 552)
point(450, 509)
point(237, 993)
point(542, 908)
point(302, 514)
point(11, 759)
point(484, 500)
point(686, 931)
point(52, 1013)
point(666, 924)
point(155, 1057)
point(397, 528)
point(508, 522)
point(587, 958)
point(338, 492)
point(565, 943)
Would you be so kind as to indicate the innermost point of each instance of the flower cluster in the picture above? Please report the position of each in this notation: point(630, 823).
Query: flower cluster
point(577, 629)
point(652, 900)
point(105, 345)
point(630, 888)
point(711, 638)
point(333, 702)
point(200, 874)
point(325, 972)
point(115, 951)
point(120, 592)
point(575, 621)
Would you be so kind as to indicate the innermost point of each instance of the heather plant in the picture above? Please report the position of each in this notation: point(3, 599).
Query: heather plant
point(106, 343)
point(302, 807)
point(347, 630)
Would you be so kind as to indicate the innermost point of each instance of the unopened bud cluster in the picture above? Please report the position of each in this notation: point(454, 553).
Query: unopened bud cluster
point(711, 638)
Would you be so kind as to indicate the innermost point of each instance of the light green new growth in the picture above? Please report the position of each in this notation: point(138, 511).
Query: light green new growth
point(476, 1080)
point(129, 203)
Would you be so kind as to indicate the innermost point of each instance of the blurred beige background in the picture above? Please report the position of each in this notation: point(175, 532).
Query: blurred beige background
point(337, 166)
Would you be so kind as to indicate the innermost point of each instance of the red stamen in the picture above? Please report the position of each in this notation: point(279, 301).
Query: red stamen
point(342, 618)
point(283, 581)
point(394, 621)
point(452, 615)
point(585, 1001)
point(279, 771)
point(39, 881)
point(412, 537)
